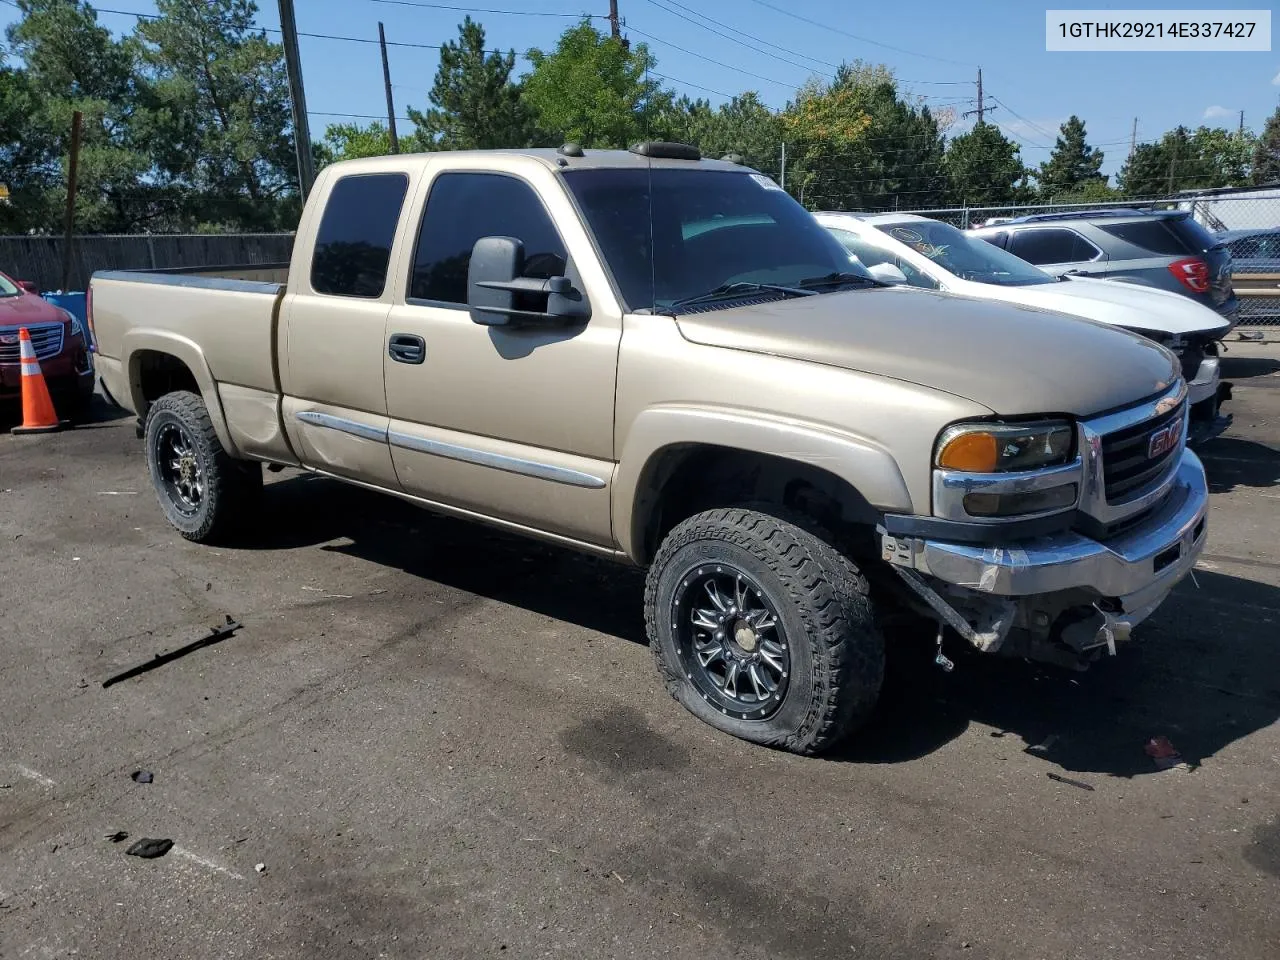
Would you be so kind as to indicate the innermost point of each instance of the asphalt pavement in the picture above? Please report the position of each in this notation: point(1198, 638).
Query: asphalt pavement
point(431, 740)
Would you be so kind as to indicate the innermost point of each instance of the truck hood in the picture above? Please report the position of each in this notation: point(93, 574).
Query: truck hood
point(1010, 358)
point(1121, 304)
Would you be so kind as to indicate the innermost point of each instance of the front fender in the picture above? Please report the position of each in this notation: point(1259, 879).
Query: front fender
point(865, 466)
point(181, 348)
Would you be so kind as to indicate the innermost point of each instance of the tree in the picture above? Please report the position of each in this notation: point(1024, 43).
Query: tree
point(476, 105)
point(73, 63)
point(983, 167)
point(221, 125)
point(1266, 153)
point(1183, 160)
point(349, 141)
point(1072, 164)
point(743, 125)
point(858, 145)
point(594, 90)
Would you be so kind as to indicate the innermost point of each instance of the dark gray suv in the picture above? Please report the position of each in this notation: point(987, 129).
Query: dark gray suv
point(1165, 249)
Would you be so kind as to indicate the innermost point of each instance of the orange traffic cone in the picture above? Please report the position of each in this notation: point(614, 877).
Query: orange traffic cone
point(38, 415)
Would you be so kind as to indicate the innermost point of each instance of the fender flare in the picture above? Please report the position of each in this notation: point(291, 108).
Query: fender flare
point(867, 467)
point(189, 353)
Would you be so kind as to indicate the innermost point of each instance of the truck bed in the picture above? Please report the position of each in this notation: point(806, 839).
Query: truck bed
point(219, 321)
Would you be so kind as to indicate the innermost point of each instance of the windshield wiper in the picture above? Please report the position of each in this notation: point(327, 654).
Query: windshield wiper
point(729, 290)
point(839, 279)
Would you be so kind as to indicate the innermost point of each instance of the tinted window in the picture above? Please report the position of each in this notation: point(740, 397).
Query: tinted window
point(353, 244)
point(462, 208)
point(1154, 236)
point(652, 228)
point(1051, 246)
point(1196, 237)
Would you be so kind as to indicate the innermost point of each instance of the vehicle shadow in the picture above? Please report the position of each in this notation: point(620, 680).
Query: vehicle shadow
point(591, 592)
point(1245, 368)
point(1204, 671)
point(100, 412)
point(1231, 462)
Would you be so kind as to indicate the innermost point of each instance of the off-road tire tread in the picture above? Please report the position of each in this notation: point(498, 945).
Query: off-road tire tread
point(232, 487)
point(833, 601)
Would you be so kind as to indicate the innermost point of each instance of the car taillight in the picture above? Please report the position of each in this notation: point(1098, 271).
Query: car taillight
point(88, 319)
point(1193, 272)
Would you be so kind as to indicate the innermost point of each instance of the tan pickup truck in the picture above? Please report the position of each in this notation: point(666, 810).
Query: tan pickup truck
point(665, 360)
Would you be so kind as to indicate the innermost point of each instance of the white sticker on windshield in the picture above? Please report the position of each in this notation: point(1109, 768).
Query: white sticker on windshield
point(764, 181)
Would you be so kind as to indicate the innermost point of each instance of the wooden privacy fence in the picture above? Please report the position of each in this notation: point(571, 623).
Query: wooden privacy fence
point(39, 259)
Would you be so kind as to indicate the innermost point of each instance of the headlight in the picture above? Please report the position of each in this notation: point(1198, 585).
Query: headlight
point(996, 448)
point(76, 328)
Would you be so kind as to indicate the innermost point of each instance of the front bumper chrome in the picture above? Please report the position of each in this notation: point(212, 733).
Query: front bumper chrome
point(1138, 566)
point(1205, 385)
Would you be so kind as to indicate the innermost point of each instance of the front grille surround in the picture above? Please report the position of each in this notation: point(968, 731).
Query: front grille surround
point(46, 338)
point(1120, 481)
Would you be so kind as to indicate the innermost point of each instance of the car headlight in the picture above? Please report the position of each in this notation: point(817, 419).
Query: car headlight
point(997, 448)
point(77, 329)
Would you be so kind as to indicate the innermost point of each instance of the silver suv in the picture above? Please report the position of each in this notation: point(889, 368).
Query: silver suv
point(1165, 249)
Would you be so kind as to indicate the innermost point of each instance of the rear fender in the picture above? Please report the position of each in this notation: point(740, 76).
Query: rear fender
point(181, 348)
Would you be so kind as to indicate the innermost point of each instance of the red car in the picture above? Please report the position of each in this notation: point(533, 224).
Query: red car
point(60, 345)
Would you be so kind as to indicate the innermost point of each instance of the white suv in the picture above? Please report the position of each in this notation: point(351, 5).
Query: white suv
point(914, 250)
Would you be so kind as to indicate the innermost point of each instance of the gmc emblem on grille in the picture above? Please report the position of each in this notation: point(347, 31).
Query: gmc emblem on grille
point(8, 340)
point(1164, 439)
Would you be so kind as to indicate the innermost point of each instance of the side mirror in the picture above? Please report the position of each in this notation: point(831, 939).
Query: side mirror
point(887, 273)
point(498, 295)
point(29, 286)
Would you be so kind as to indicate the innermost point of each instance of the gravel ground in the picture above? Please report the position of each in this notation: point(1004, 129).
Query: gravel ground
point(438, 741)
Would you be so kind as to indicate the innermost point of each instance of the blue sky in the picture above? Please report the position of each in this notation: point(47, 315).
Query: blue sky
point(940, 46)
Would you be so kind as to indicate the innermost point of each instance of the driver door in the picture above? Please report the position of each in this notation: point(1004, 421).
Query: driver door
point(509, 422)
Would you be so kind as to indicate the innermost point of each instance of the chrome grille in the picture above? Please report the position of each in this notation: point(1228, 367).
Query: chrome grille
point(1127, 469)
point(46, 338)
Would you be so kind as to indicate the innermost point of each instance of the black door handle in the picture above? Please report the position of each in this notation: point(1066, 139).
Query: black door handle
point(407, 348)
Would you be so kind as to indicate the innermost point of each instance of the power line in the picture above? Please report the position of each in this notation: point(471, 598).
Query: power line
point(741, 43)
point(510, 13)
point(854, 36)
point(718, 63)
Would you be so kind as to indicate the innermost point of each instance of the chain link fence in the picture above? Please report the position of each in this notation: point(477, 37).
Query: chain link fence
point(1247, 221)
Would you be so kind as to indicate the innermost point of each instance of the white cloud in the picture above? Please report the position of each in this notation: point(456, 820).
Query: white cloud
point(1275, 81)
point(1218, 113)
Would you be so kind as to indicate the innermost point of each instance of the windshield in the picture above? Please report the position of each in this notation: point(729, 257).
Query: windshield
point(7, 287)
point(711, 228)
point(965, 256)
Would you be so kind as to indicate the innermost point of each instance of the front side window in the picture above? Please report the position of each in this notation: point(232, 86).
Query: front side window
point(963, 255)
point(353, 244)
point(464, 207)
point(1051, 246)
point(8, 288)
point(670, 234)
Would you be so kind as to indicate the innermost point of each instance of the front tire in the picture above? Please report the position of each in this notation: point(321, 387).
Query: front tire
point(763, 630)
point(205, 493)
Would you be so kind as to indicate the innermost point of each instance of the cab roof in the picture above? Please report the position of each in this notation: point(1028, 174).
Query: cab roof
point(554, 159)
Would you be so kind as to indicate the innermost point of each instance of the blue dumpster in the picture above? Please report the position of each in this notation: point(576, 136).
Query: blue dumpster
point(74, 304)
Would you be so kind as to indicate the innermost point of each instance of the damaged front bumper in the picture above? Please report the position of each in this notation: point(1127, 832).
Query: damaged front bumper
point(1068, 591)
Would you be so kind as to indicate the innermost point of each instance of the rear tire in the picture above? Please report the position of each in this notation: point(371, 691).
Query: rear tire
point(763, 630)
point(205, 493)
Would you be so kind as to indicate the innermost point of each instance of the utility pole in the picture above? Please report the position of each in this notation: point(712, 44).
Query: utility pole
point(386, 81)
point(73, 167)
point(783, 184)
point(297, 99)
point(1133, 139)
point(1240, 129)
point(613, 20)
point(982, 103)
point(1173, 159)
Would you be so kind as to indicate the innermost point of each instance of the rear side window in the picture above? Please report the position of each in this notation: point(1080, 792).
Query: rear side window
point(462, 208)
point(1153, 236)
point(1195, 236)
point(353, 244)
point(1051, 246)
